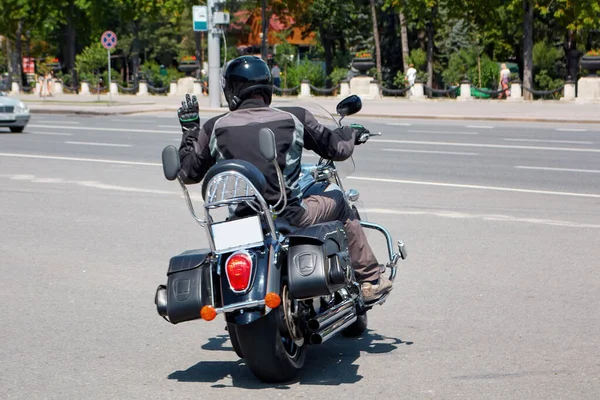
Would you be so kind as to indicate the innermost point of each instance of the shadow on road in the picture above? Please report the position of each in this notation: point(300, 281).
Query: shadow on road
point(329, 364)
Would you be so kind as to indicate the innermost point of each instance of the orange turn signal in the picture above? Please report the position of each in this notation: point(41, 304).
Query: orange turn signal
point(272, 300)
point(208, 313)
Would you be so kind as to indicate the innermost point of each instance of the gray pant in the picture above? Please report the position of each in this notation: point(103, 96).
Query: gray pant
point(331, 206)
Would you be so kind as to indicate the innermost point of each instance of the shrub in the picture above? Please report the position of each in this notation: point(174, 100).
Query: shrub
point(337, 75)
point(313, 71)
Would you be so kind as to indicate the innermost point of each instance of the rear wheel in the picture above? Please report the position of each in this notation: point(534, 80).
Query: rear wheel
point(358, 327)
point(17, 129)
point(271, 352)
point(233, 337)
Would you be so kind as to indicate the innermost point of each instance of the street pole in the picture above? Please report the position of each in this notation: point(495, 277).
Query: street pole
point(214, 60)
point(109, 93)
point(264, 50)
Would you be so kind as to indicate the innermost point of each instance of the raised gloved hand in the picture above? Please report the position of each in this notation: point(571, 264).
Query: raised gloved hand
point(188, 114)
point(362, 134)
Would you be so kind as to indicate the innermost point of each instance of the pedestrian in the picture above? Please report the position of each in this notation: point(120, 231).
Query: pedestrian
point(40, 84)
point(49, 80)
point(276, 74)
point(504, 80)
point(411, 76)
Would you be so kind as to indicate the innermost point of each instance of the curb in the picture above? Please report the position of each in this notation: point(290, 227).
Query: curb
point(482, 118)
point(115, 112)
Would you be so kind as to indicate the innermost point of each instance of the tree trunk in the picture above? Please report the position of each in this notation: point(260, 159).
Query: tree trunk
point(9, 59)
point(71, 43)
point(343, 48)
point(328, 53)
point(135, 49)
point(376, 36)
point(18, 56)
point(404, 40)
point(430, 51)
point(527, 48)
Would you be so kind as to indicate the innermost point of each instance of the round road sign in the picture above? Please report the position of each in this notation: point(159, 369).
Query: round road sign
point(109, 40)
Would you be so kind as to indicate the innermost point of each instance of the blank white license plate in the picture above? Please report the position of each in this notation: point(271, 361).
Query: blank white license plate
point(239, 234)
point(7, 117)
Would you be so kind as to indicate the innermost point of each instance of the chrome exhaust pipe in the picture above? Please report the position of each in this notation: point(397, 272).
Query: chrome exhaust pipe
point(330, 331)
point(331, 315)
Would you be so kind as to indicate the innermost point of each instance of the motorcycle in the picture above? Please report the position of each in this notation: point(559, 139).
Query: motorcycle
point(280, 288)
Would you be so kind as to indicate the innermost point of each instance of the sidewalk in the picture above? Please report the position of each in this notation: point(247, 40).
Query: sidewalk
point(491, 110)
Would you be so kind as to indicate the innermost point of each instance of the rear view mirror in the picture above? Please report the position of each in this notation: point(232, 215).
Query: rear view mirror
point(170, 162)
point(266, 142)
point(348, 106)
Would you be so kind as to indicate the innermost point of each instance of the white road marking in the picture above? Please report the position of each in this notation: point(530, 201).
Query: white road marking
point(398, 124)
point(169, 126)
point(442, 132)
point(98, 185)
point(47, 121)
point(549, 141)
point(462, 186)
point(483, 217)
point(51, 133)
point(571, 130)
point(591, 171)
point(140, 121)
point(432, 152)
point(89, 128)
point(492, 146)
point(94, 160)
point(99, 144)
point(480, 127)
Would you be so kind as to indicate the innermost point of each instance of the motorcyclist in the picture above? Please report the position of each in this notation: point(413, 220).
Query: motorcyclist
point(248, 88)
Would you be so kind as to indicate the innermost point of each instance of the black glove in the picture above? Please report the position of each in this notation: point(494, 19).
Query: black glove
point(361, 133)
point(188, 114)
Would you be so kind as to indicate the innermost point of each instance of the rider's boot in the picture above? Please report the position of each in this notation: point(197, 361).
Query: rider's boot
point(374, 290)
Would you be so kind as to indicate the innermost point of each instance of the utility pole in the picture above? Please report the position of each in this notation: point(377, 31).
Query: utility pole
point(264, 49)
point(214, 58)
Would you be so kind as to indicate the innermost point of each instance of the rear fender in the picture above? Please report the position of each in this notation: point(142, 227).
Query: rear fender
point(266, 278)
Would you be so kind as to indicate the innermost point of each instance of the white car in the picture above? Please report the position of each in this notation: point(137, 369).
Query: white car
point(14, 114)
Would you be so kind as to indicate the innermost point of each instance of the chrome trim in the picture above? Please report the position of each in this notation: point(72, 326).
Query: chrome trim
point(352, 195)
point(251, 271)
point(188, 200)
point(240, 306)
point(331, 315)
point(282, 189)
point(327, 333)
point(266, 210)
point(386, 233)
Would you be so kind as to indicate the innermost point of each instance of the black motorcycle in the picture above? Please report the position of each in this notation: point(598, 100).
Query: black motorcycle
point(280, 288)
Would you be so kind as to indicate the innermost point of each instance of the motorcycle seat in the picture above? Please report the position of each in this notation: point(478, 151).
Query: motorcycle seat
point(245, 168)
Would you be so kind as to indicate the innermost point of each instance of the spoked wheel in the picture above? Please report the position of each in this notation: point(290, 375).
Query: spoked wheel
point(273, 346)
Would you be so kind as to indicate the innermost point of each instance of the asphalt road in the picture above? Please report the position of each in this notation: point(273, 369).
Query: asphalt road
point(499, 298)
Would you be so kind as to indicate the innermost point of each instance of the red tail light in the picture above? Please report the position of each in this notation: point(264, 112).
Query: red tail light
point(239, 271)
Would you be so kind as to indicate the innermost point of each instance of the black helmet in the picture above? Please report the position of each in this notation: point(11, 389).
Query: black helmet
point(245, 76)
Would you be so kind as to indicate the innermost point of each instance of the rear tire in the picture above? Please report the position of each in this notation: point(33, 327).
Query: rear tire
point(271, 357)
point(358, 327)
point(233, 337)
point(17, 129)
